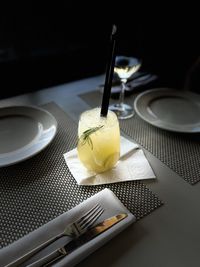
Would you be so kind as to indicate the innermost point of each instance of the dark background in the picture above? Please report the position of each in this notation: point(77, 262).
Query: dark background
point(42, 46)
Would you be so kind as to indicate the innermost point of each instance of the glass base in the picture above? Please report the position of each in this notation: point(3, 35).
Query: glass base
point(123, 111)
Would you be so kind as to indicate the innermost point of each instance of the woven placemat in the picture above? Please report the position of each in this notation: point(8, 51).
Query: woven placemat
point(39, 189)
point(180, 152)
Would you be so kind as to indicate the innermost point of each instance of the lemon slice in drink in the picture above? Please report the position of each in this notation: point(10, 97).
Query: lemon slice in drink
point(111, 161)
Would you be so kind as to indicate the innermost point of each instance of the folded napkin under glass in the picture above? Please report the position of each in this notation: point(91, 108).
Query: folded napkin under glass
point(132, 165)
point(108, 201)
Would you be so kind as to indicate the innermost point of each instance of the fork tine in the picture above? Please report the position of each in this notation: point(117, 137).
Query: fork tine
point(87, 216)
point(88, 213)
point(87, 223)
point(91, 222)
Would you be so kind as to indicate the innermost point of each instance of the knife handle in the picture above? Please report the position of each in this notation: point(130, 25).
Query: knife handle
point(49, 259)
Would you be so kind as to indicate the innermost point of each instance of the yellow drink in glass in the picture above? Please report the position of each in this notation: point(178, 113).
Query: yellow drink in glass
point(99, 140)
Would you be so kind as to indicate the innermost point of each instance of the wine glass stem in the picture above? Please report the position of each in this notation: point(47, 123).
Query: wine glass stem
point(121, 97)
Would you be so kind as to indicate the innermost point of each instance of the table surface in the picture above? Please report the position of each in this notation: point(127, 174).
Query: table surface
point(170, 235)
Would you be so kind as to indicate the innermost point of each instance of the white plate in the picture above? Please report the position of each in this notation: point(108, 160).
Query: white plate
point(24, 132)
point(170, 109)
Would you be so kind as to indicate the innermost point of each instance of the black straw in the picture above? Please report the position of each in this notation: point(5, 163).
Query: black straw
point(109, 74)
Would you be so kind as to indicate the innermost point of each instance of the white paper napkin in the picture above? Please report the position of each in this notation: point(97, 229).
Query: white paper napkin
point(132, 165)
point(109, 202)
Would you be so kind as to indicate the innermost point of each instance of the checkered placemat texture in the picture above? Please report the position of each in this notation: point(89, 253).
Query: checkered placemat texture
point(41, 188)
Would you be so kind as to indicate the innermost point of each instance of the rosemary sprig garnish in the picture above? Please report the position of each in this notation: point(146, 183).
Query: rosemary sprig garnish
point(85, 137)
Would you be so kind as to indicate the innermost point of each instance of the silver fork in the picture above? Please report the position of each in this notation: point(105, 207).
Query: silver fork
point(80, 226)
point(73, 230)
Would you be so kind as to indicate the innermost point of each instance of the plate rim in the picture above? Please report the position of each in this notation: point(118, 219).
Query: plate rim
point(173, 92)
point(21, 158)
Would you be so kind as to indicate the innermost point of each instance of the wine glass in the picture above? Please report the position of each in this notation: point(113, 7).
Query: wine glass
point(124, 67)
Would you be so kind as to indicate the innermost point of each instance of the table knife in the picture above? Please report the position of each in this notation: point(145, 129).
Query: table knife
point(75, 243)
